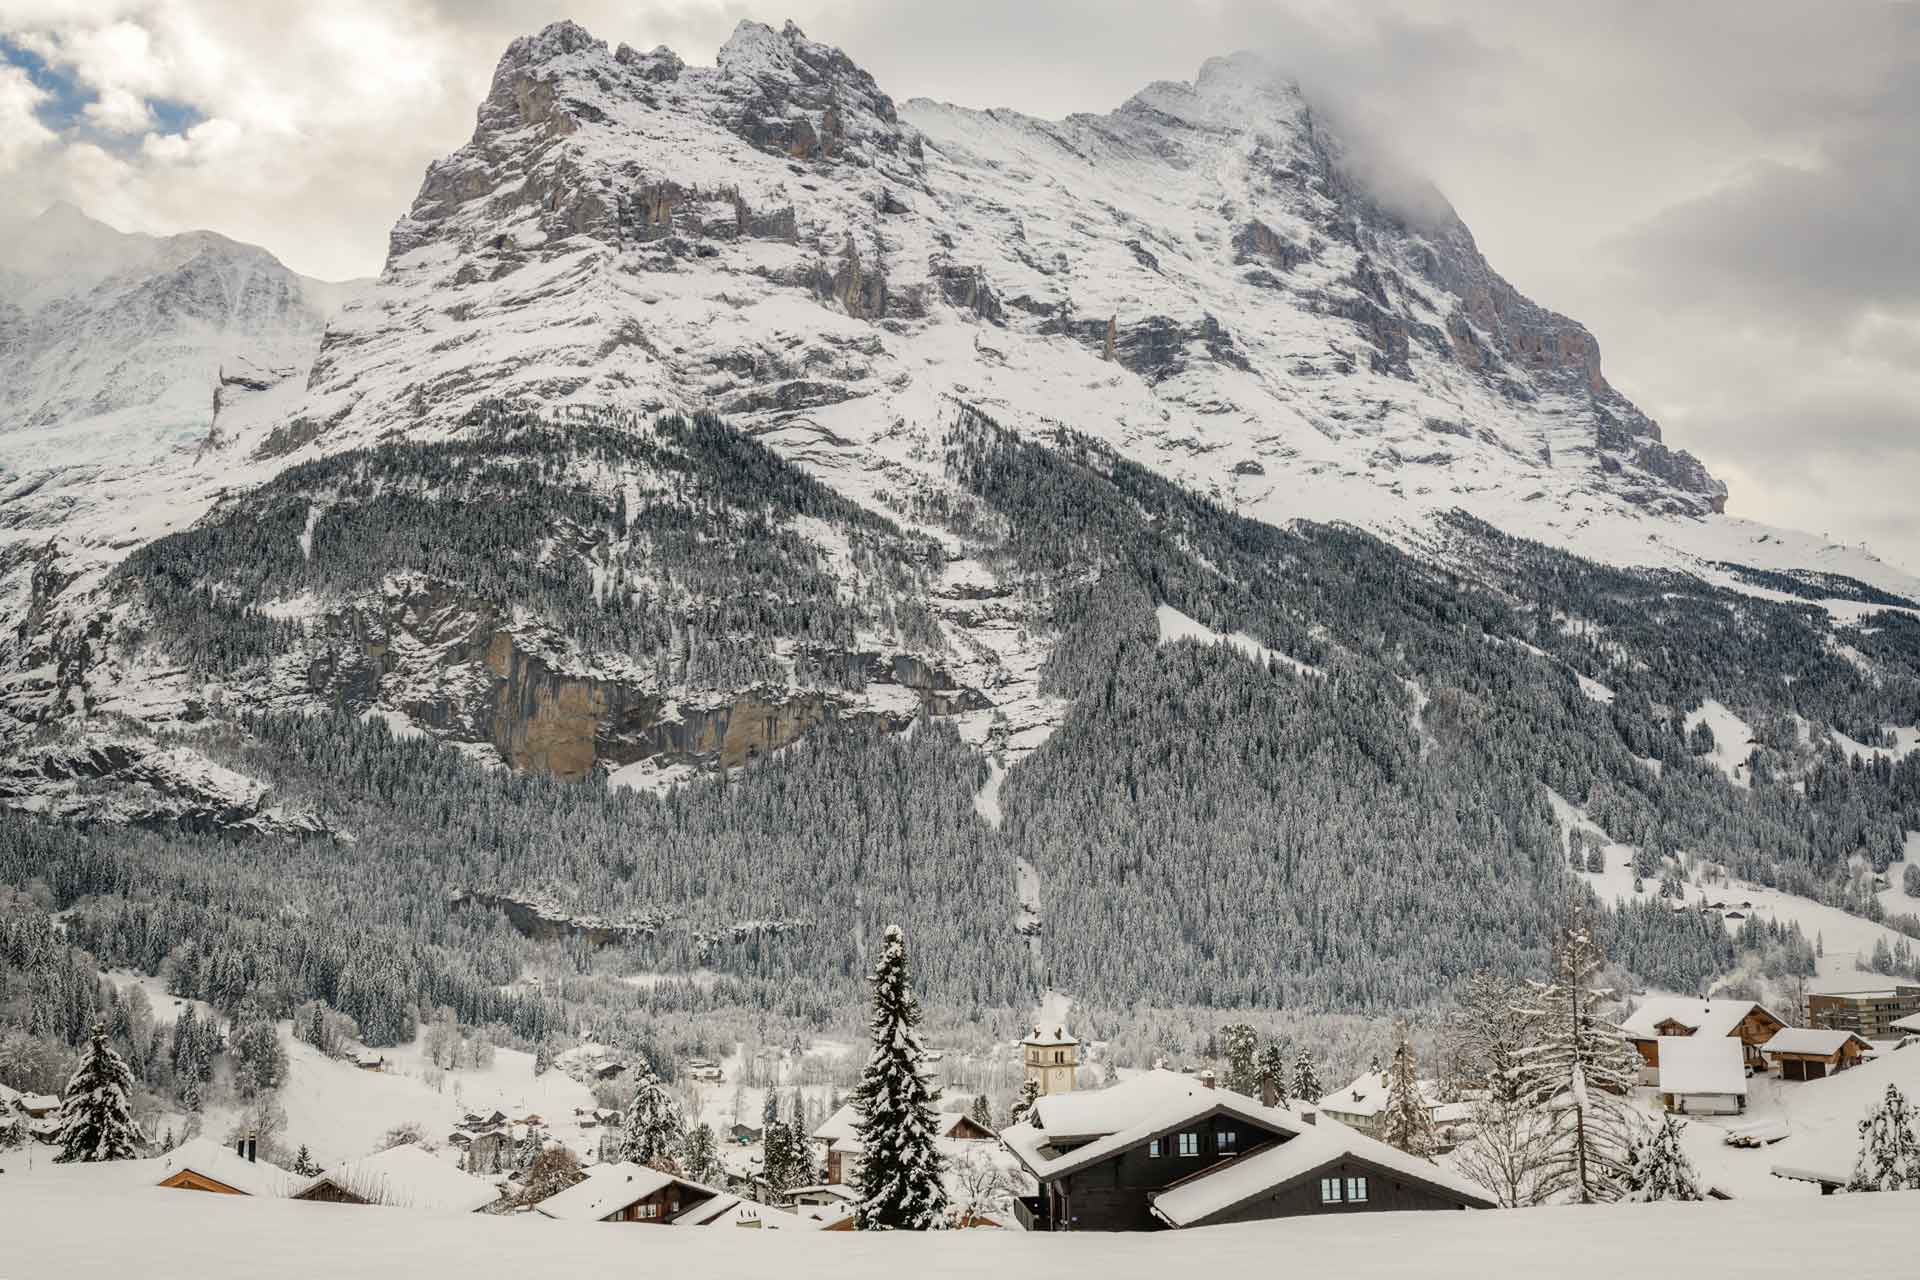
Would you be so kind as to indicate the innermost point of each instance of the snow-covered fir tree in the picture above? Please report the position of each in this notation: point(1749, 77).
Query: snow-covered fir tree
point(653, 1130)
point(1272, 1069)
point(1306, 1079)
point(1239, 1045)
point(96, 1112)
point(981, 1113)
point(901, 1187)
point(1023, 1101)
point(542, 1058)
point(1407, 1123)
point(1484, 1034)
point(700, 1156)
point(1580, 1072)
point(304, 1164)
point(1889, 1158)
point(1659, 1168)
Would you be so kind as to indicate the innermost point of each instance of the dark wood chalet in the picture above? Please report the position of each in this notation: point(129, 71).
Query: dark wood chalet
point(1165, 1150)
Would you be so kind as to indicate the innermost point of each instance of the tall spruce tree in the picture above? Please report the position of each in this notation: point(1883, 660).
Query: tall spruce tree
point(700, 1156)
point(1307, 1088)
point(1407, 1123)
point(1660, 1169)
point(654, 1130)
point(1272, 1069)
point(1889, 1157)
point(1580, 1072)
point(901, 1187)
point(96, 1113)
point(1023, 1102)
point(981, 1113)
point(1239, 1044)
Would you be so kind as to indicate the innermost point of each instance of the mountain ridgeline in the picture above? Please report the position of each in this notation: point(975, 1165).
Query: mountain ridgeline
point(747, 513)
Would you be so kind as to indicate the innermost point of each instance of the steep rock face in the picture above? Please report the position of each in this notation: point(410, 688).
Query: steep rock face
point(623, 228)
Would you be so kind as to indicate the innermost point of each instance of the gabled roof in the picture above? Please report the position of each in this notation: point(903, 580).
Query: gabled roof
point(1702, 1017)
point(406, 1175)
point(209, 1159)
point(1141, 1109)
point(1702, 1064)
point(1367, 1096)
point(733, 1211)
point(1909, 1023)
point(1231, 1183)
point(841, 1133)
point(610, 1188)
point(1811, 1040)
point(1095, 1113)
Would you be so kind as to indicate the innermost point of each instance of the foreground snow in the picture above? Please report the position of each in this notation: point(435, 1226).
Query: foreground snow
point(217, 1237)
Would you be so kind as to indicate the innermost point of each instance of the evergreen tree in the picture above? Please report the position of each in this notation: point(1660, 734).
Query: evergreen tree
point(982, 1113)
point(700, 1156)
point(901, 1167)
point(1374, 1068)
point(1239, 1044)
point(1307, 1088)
point(304, 1164)
point(1407, 1123)
point(96, 1112)
point(1023, 1103)
point(1272, 1068)
point(654, 1130)
point(1658, 1168)
point(1580, 1072)
point(1889, 1157)
point(542, 1058)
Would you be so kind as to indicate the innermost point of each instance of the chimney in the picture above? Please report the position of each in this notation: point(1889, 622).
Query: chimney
point(1310, 1115)
point(240, 1147)
point(1207, 1079)
point(1269, 1092)
point(253, 1148)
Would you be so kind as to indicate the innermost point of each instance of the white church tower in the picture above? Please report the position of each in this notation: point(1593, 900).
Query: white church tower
point(1052, 1060)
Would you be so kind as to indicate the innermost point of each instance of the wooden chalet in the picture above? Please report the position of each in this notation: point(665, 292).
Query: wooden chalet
point(200, 1164)
point(1806, 1053)
point(1677, 1017)
point(1166, 1150)
point(841, 1135)
point(627, 1192)
point(403, 1175)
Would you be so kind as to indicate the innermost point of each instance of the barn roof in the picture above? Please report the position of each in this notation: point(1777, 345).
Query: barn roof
point(406, 1175)
point(1700, 1064)
point(1811, 1040)
point(210, 1159)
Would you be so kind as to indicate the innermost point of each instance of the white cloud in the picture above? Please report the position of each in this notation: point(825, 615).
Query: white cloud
point(21, 133)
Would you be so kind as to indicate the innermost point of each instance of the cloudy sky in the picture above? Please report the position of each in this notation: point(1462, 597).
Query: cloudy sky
point(1726, 193)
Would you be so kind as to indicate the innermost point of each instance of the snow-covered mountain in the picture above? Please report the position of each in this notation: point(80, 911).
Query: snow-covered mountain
point(116, 346)
point(699, 407)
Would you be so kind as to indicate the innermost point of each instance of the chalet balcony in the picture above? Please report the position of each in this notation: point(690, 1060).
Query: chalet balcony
point(1032, 1213)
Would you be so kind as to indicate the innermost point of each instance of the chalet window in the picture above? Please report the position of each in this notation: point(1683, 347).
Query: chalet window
point(1225, 1140)
point(1356, 1190)
point(1153, 1149)
point(1189, 1144)
point(1329, 1191)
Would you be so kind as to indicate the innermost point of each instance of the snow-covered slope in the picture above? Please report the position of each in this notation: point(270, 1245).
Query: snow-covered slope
point(117, 347)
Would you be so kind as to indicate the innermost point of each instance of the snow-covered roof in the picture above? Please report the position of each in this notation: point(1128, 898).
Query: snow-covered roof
point(1144, 1107)
point(1909, 1023)
point(1095, 1113)
point(1367, 1096)
point(610, 1188)
point(1810, 1040)
point(1702, 1064)
point(407, 1175)
point(1233, 1182)
point(1702, 1017)
point(841, 1133)
point(1056, 1039)
point(210, 1159)
point(733, 1211)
